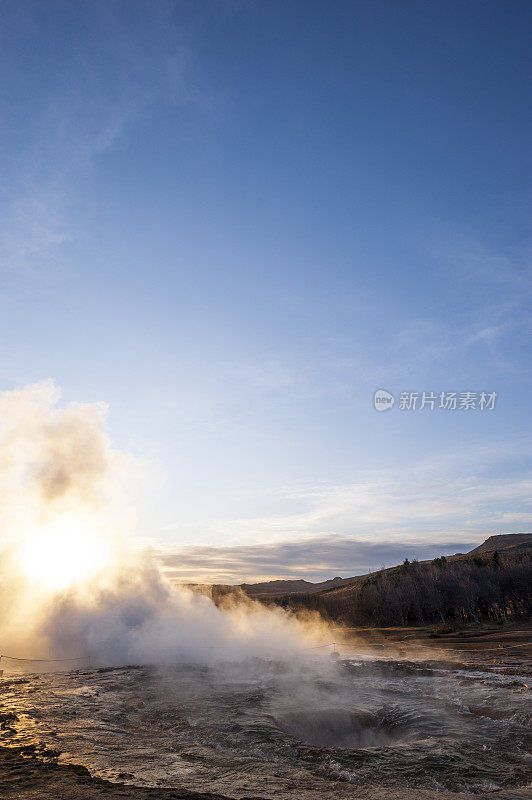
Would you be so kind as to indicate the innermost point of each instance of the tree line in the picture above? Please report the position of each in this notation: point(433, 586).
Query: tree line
point(495, 587)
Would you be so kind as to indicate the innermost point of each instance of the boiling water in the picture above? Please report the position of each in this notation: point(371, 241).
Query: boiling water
point(268, 730)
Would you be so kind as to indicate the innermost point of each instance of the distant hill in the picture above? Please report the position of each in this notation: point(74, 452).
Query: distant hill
point(281, 588)
point(491, 582)
point(504, 541)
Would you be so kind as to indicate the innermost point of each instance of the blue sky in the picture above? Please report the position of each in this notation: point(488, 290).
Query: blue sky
point(234, 221)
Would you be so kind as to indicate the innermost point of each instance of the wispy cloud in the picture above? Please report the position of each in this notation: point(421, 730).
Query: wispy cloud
point(314, 559)
point(441, 506)
point(99, 81)
point(453, 496)
point(497, 285)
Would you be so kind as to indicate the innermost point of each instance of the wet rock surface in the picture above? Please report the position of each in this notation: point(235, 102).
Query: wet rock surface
point(356, 728)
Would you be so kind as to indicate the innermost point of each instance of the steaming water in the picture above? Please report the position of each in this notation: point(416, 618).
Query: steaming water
point(265, 730)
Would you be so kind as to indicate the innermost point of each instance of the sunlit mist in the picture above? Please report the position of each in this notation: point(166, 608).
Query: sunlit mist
point(64, 553)
point(75, 582)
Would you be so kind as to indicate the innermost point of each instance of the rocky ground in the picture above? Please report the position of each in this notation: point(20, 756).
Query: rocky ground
point(28, 774)
point(23, 776)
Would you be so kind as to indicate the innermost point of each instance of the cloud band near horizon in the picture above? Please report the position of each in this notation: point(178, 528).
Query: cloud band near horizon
point(313, 559)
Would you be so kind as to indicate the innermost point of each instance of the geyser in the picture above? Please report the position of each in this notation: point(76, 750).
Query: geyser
point(340, 727)
point(73, 584)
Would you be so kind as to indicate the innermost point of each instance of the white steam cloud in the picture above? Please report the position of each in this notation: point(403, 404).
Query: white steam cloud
point(70, 583)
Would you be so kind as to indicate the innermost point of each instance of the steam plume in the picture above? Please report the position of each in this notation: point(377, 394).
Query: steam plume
point(72, 585)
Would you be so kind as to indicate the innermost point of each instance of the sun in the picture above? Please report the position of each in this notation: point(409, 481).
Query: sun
point(66, 552)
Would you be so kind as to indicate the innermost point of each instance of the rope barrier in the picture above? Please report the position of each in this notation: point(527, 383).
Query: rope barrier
point(44, 660)
point(354, 646)
point(478, 650)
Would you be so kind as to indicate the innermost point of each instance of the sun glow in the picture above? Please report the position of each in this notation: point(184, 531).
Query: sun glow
point(66, 552)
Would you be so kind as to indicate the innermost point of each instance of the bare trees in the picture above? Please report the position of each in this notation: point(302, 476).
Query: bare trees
point(495, 587)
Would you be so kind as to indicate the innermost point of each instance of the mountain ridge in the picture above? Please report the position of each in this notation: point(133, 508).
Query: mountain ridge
point(286, 587)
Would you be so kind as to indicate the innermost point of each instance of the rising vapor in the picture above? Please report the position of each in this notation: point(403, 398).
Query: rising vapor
point(72, 583)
